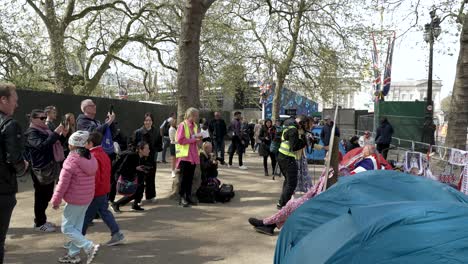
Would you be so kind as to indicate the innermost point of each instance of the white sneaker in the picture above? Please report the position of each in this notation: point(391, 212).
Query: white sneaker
point(149, 201)
point(91, 253)
point(44, 228)
point(173, 174)
point(243, 167)
point(69, 259)
point(116, 239)
point(51, 224)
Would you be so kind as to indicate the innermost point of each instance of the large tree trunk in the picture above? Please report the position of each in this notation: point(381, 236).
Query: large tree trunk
point(56, 31)
point(283, 67)
point(458, 117)
point(62, 77)
point(275, 111)
point(189, 56)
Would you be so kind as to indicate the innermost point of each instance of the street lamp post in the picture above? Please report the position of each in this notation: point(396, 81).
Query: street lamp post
point(431, 33)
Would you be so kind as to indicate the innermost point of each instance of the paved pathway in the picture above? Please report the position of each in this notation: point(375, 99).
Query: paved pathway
point(165, 233)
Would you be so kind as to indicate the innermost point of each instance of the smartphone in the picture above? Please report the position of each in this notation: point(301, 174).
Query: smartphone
point(111, 109)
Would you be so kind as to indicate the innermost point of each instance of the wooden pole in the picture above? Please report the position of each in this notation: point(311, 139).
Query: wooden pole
point(330, 151)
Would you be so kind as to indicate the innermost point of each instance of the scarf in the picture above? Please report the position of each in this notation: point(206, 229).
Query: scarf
point(57, 148)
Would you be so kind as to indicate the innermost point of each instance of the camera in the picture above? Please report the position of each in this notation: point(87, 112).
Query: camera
point(312, 140)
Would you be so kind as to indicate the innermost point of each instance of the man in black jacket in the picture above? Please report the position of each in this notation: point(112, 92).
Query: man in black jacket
point(218, 131)
point(383, 138)
point(12, 163)
point(325, 135)
point(87, 121)
point(290, 143)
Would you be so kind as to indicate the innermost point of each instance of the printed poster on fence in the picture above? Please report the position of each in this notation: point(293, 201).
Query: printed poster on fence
point(458, 157)
point(464, 187)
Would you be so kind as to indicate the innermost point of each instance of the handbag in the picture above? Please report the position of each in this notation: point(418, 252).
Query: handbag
point(126, 187)
point(263, 150)
point(48, 174)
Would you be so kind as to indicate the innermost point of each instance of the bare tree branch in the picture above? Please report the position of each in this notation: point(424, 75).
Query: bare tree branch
point(38, 11)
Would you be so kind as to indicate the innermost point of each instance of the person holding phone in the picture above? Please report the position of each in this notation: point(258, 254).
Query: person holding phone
point(45, 153)
point(187, 138)
point(135, 164)
point(87, 121)
point(148, 133)
point(69, 123)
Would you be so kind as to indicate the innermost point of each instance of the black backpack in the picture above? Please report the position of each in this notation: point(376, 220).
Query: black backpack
point(225, 193)
point(166, 127)
point(208, 191)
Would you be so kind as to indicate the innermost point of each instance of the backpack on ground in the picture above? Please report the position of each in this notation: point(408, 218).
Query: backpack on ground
point(208, 191)
point(225, 193)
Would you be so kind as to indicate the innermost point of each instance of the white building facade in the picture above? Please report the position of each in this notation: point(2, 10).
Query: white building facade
point(415, 90)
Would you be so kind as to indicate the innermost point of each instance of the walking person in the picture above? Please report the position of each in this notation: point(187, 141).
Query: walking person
point(383, 138)
point(45, 152)
point(251, 133)
point(164, 132)
point(325, 135)
point(218, 132)
point(187, 138)
point(257, 129)
point(88, 122)
point(150, 135)
point(100, 204)
point(266, 135)
point(51, 113)
point(76, 187)
point(291, 142)
point(12, 164)
point(238, 141)
point(172, 150)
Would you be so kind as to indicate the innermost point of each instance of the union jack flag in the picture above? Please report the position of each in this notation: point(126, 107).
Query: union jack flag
point(388, 66)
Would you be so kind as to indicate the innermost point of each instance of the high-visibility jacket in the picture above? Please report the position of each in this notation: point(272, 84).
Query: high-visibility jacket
point(182, 150)
point(285, 148)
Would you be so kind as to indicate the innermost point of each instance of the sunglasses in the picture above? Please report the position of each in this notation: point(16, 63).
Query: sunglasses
point(41, 118)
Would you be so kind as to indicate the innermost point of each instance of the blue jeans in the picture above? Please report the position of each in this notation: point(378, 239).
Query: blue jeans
point(100, 205)
point(219, 148)
point(72, 224)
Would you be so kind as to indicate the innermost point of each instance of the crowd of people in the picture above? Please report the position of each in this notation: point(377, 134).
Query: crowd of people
point(86, 163)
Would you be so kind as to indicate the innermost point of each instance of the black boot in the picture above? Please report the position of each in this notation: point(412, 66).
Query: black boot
point(191, 200)
point(137, 208)
point(266, 229)
point(183, 202)
point(279, 206)
point(266, 173)
point(256, 222)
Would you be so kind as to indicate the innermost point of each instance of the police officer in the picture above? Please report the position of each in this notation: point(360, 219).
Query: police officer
point(12, 163)
point(291, 142)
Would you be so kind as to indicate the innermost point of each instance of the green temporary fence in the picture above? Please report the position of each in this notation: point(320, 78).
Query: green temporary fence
point(407, 118)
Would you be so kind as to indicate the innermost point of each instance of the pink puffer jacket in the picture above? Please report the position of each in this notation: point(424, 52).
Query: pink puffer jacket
point(77, 179)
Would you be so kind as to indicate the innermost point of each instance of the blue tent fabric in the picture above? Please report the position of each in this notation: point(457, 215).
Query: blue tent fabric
point(407, 232)
point(383, 189)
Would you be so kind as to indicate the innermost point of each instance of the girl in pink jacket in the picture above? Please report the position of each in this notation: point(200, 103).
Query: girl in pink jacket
point(76, 187)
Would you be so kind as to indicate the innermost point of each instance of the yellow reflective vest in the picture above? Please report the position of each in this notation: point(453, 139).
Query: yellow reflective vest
point(285, 148)
point(182, 150)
